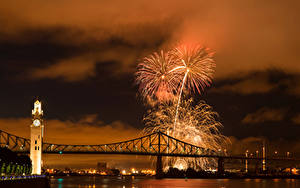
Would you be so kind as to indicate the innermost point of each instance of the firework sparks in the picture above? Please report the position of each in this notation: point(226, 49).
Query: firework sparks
point(195, 66)
point(155, 78)
point(165, 76)
point(195, 125)
point(186, 68)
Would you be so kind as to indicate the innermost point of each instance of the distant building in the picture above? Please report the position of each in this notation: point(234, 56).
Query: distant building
point(101, 166)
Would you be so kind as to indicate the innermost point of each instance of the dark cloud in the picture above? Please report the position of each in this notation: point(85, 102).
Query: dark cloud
point(294, 86)
point(247, 36)
point(74, 54)
point(259, 83)
point(269, 109)
point(70, 70)
point(265, 115)
point(248, 84)
point(296, 119)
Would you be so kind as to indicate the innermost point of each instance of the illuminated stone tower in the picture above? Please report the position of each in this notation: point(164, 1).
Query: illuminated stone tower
point(36, 137)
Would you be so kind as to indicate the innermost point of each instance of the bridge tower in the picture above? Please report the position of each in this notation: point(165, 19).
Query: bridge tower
point(36, 137)
point(159, 170)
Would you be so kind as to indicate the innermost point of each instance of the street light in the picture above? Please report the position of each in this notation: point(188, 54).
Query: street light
point(246, 162)
point(264, 157)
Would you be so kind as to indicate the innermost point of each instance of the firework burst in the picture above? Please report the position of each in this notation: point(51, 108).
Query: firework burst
point(195, 65)
point(155, 78)
point(165, 75)
point(195, 125)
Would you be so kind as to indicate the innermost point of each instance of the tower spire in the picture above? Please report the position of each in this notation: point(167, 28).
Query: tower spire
point(37, 109)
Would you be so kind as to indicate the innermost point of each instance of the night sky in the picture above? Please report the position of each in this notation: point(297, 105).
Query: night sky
point(79, 58)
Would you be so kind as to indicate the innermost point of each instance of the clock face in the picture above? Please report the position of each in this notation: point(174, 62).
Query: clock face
point(36, 122)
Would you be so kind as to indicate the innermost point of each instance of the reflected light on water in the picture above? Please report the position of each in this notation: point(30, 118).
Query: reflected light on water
point(148, 182)
point(60, 182)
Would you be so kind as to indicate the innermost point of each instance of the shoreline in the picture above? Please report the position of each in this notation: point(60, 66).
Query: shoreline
point(32, 182)
point(199, 177)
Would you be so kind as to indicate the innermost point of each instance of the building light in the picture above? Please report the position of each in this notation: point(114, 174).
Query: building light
point(37, 108)
point(294, 171)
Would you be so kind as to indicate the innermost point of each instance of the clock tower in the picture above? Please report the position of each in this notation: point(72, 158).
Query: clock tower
point(36, 137)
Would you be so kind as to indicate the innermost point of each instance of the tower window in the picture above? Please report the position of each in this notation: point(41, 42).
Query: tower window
point(35, 142)
point(35, 148)
point(38, 147)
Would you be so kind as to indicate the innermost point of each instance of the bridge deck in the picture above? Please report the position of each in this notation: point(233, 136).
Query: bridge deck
point(155, 144)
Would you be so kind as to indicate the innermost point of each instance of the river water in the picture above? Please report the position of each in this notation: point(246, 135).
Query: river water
point(146, 182)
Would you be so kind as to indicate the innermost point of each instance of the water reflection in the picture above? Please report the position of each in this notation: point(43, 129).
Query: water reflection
point(146, 182)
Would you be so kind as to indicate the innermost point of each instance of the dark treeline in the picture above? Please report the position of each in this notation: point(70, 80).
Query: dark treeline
point(188, 173)
point(12, 163)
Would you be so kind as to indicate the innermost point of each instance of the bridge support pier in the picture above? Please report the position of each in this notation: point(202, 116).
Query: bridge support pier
point(220, 166)
point(159, 170)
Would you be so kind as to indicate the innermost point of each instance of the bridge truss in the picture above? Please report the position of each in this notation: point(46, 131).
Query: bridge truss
point(153, 144)
point(156, 144)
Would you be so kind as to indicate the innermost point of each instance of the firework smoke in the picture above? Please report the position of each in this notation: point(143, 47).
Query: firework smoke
point(195, 125)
